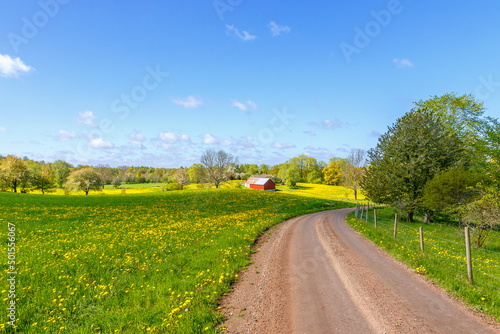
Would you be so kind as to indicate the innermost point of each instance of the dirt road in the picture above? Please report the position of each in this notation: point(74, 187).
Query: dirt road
point(313, 274)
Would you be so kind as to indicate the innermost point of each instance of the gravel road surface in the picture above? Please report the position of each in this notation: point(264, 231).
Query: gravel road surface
point(314, 274)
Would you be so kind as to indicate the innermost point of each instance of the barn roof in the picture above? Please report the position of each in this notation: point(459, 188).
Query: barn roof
point(256, 180)
point(252, 180)
point(262, 181)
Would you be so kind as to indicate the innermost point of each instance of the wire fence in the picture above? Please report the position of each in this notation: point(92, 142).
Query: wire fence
point(444, 252)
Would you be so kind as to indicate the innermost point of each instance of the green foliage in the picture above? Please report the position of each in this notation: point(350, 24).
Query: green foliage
point(290, 173)
point(196, 173)
point(14, 173)
point(314, 177)
point(42, 178)
point(332, 172)
point(489, 147)
point(406, 157)
point(462, 117)
point(61, 170)
point(450, 189)
point(483, 216)
point(172, 186)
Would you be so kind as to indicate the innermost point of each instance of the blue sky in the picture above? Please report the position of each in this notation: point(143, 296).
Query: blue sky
point(156, 83)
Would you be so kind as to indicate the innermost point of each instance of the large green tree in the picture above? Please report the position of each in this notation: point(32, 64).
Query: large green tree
point(289, 173)
point(461, 116)
point(408, 155)
point(61, 170)
point(451, 189)
point(14, 173)
point(42, 178)
point(488, 146)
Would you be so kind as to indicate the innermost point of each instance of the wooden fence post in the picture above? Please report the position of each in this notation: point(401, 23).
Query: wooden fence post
point(375, 217)
point(366, 216)
point(468, 252)
point(362, 209)
point(421, 238)
point(395, 225)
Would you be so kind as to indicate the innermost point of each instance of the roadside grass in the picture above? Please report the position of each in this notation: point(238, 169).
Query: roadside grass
point(443, 259)
point(134, 263)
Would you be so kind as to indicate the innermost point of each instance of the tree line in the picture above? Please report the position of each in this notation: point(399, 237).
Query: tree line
point(441, 158)
point(215, 167)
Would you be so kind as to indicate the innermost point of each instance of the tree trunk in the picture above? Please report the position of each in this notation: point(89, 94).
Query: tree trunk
point(86, 192)
point(409, 218)
point(355, 194)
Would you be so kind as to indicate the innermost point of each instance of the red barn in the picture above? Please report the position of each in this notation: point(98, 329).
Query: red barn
point(260, 183)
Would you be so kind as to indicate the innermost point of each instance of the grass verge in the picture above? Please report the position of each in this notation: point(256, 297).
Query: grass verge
point(443, 259)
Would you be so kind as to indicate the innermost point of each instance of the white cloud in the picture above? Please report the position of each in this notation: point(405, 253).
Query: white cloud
point(400, 63)
point(245, 36)
point(244, 107)
point(252, 104)
point(100, 143)
point(170, 138)
point(283, 146)
point(239, 105)
point(209, 139)
point(12, 67)
point(137, 139)
point(375, 134)
point(310, 133)
point(188, 102)
point(276, 29)
point(86, 117)
point(2, 129)
point(66, 135)
point(328, 124)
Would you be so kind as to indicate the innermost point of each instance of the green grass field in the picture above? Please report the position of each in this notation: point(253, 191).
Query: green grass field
point(133, 263)
point(152, 261)
point(443, 259)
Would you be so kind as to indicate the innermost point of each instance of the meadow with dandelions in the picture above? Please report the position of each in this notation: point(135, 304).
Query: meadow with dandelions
point(132, 263)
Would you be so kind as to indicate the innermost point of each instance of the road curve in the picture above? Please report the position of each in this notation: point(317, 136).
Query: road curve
point(314, 274)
